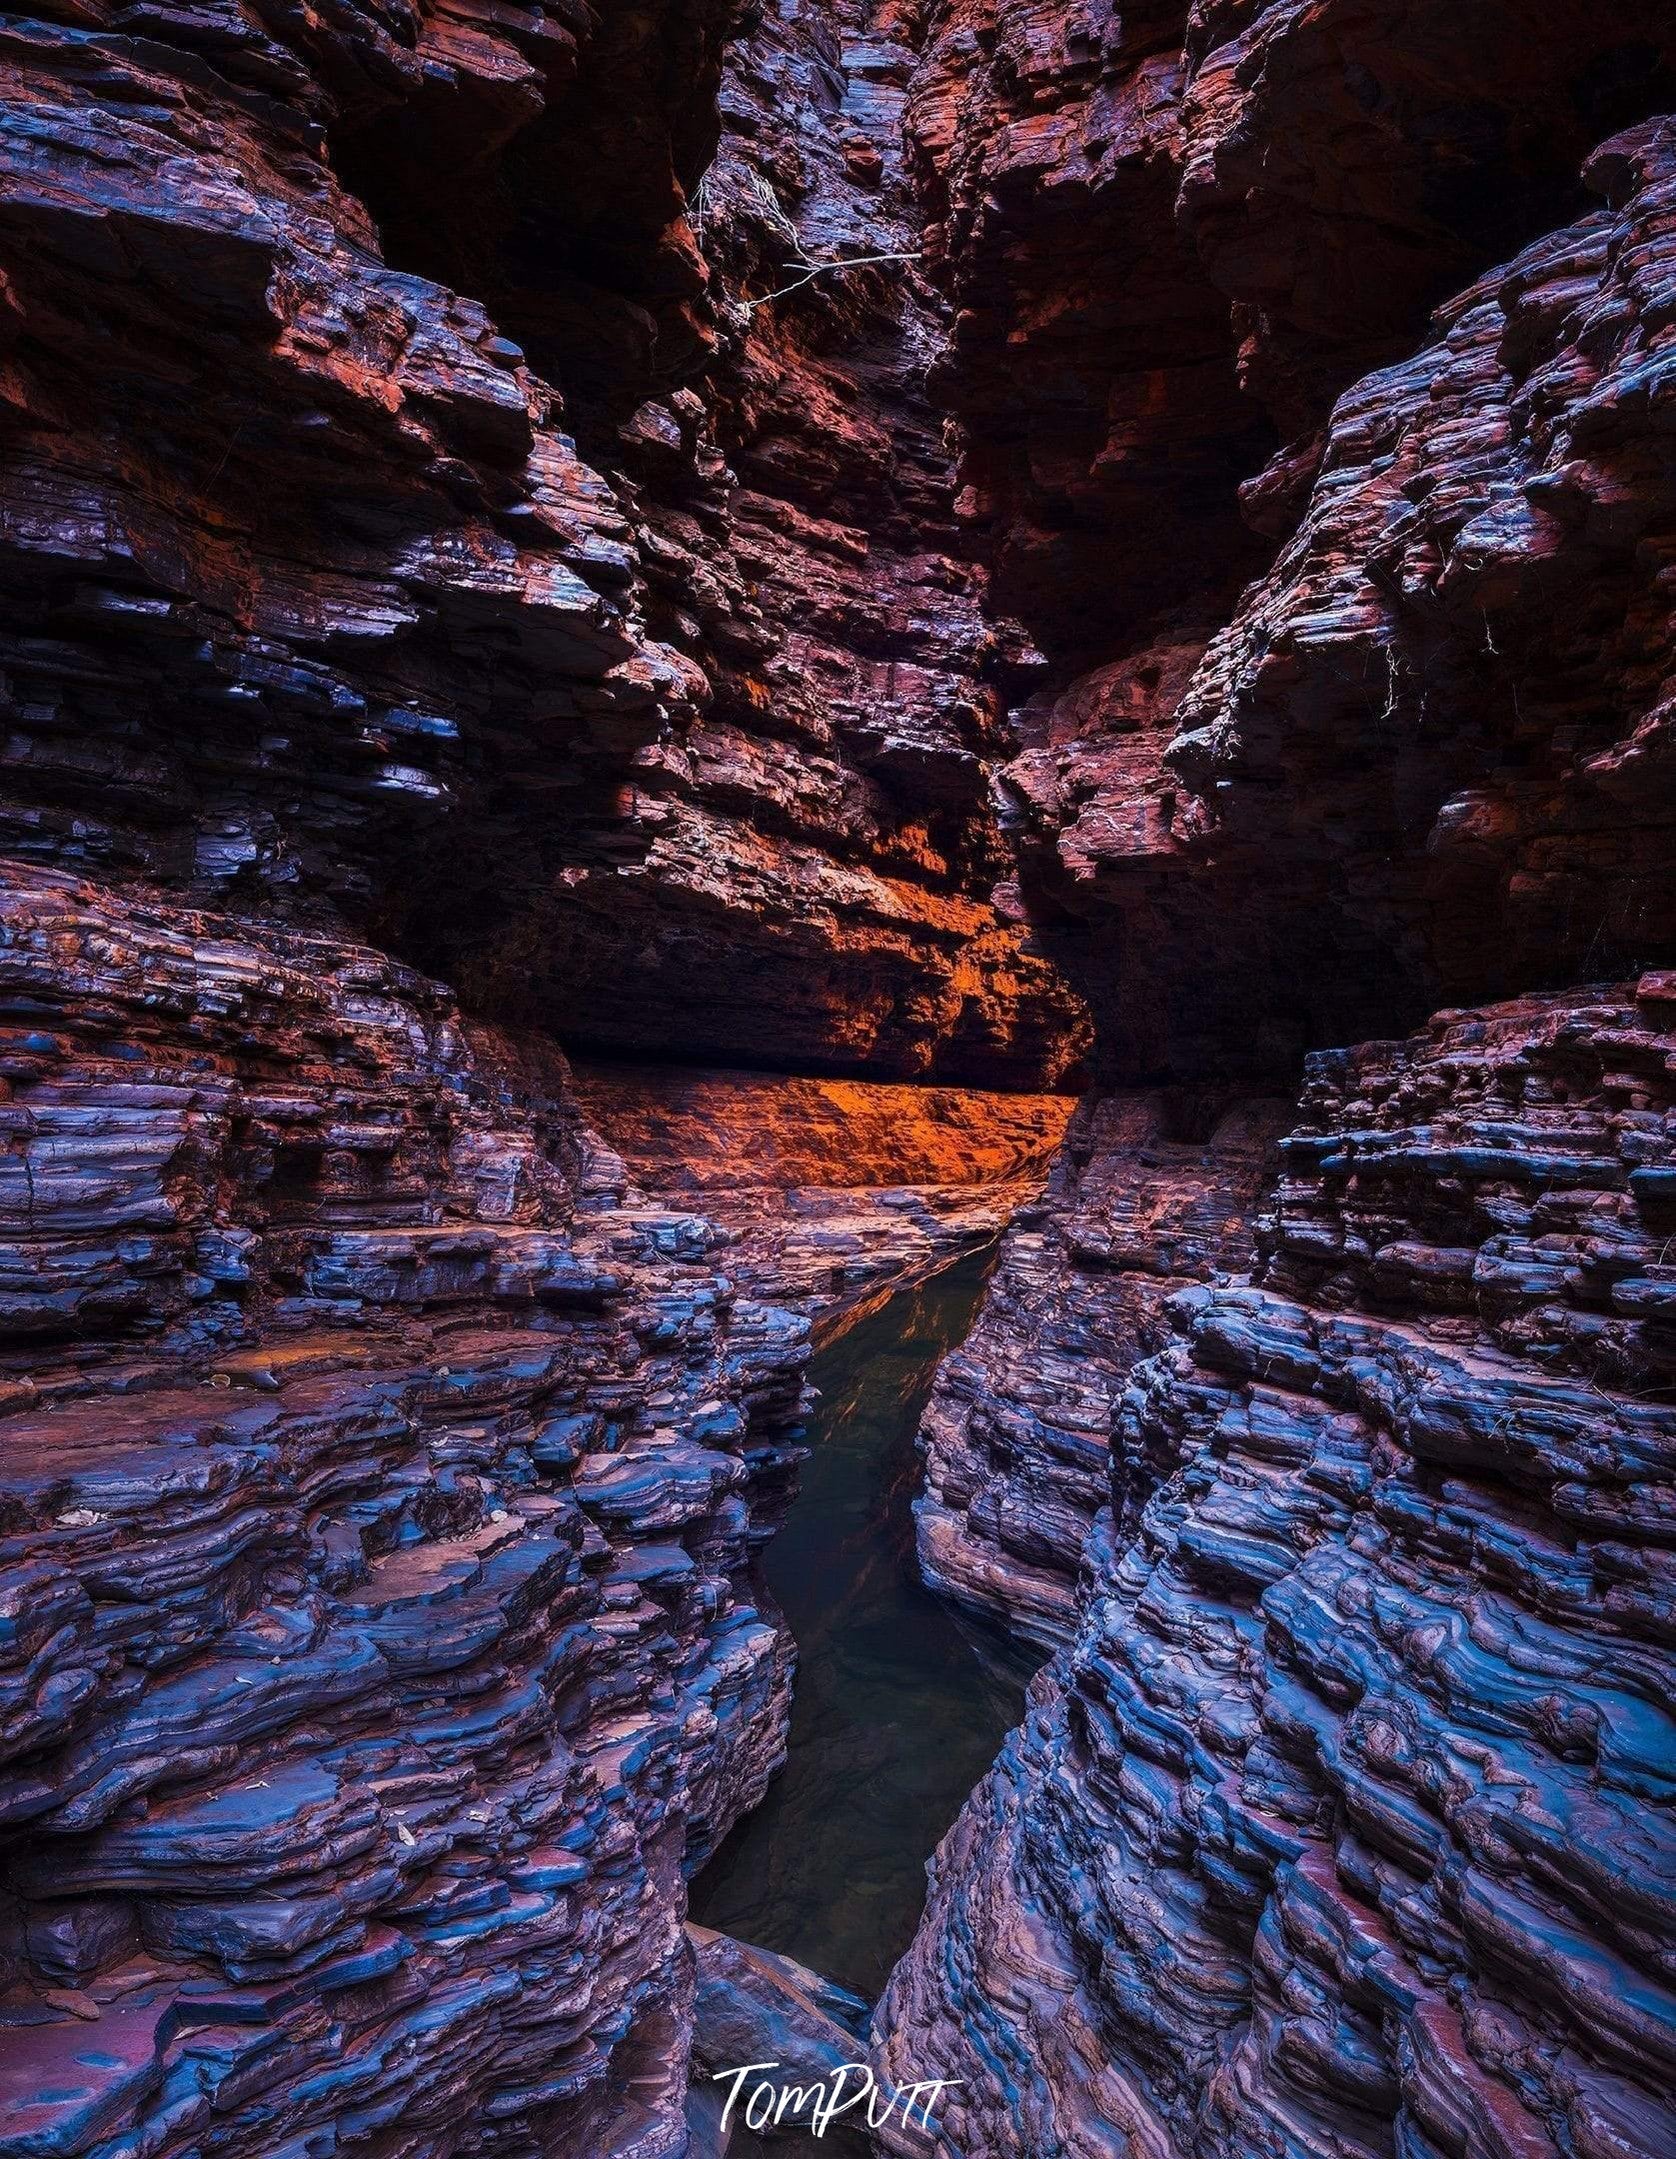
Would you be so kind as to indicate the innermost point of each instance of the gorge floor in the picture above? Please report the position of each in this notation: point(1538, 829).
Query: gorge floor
point(899, 1708)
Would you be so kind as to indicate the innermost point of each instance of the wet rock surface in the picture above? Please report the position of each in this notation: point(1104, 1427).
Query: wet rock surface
point(1312, 1836)
point(754, 2006)
point(836, 1193)
point(399, 676)
point(1191, 597)
point(379, 1479)
point(1018, 1436)
point(1340, 1819)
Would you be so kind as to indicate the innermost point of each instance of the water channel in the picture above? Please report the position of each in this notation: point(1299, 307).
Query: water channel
point(899, 1709)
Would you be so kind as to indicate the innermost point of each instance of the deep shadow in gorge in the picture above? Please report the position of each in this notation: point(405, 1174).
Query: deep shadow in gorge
point(1280, 1430)
point(899, 1708)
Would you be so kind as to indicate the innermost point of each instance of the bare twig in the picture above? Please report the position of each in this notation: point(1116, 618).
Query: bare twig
point(812, 270)
point(761, 200)
point(232, 444)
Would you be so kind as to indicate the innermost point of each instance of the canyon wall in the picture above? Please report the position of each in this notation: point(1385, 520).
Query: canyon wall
point(448, 610)
point(1017, 1439)
point(835, 1194)
point(1339, 1825)
point(1340, 1821)
point(379, 1485)
point(1190, 606)
point(314, 601)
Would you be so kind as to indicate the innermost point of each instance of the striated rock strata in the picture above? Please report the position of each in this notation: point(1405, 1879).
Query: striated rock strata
point(313, 600)
point(1017, 1438)
point(1173, 235)
point(1426, 759)
point(788, 539)
point(835, 1193)
point(805, 866)
point(380, 1479)
point(754, 2006)
point(447, 607)
point(1339, 1824)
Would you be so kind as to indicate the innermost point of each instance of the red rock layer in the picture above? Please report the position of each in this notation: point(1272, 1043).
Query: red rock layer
point(1339, 1823)
point(1419, 759)
point(1140, 213)
point(1099, 187)
point(1091, 364)
point(379, 1470)
point(1347, 166)
point(380, 1482)
point(1017, 1438)
point(1427, 759)
point(363, 1709)
point(835, 1193)
point(292, 537)
point(710, 1132)
point(313, 601)
point(808, 868)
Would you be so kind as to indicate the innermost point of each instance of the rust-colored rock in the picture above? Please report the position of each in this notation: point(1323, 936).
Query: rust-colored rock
point(709, 1132)
point(1424, 763)
point(381, 1469)
point(1348, 165)
point(1018, 1436)
point(379, 1483)
point(1091, 365)
point(807, 868)
point(835, 1193)
point(1338, 1825)
point(352, 622)
point(485, 564)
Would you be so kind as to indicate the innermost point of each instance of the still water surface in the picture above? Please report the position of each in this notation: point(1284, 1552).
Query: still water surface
point(899, 1708)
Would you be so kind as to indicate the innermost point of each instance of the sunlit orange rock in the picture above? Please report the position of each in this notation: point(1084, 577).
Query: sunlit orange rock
point(836, 1192)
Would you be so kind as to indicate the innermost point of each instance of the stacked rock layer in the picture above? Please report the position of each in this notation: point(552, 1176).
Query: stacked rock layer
point(836, 1193)
point(314, 601)
point(1342, 1818)
point(380, 1480)
point(402, 524)
point(1340, 1822)
point(480, 572)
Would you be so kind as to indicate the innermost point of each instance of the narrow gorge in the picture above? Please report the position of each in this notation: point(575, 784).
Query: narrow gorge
point(736, 727)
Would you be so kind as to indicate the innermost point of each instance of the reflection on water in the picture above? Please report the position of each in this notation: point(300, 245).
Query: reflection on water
point(899, 1710)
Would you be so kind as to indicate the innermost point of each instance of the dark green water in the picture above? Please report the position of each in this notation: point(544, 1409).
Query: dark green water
point(899, 1709)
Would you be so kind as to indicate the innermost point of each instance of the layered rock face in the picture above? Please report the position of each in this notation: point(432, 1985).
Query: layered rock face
point(1423, 760)
point(1090, 365)
point(1017, 1439)
point(313, 599)
point(1339, 1824)
point(387, 656)
point(1416, 714)
point(379, 1486)
point(1395, 770)
point(835, 1193)
point(808, 867)
point(480, 571)
point(292, 536)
